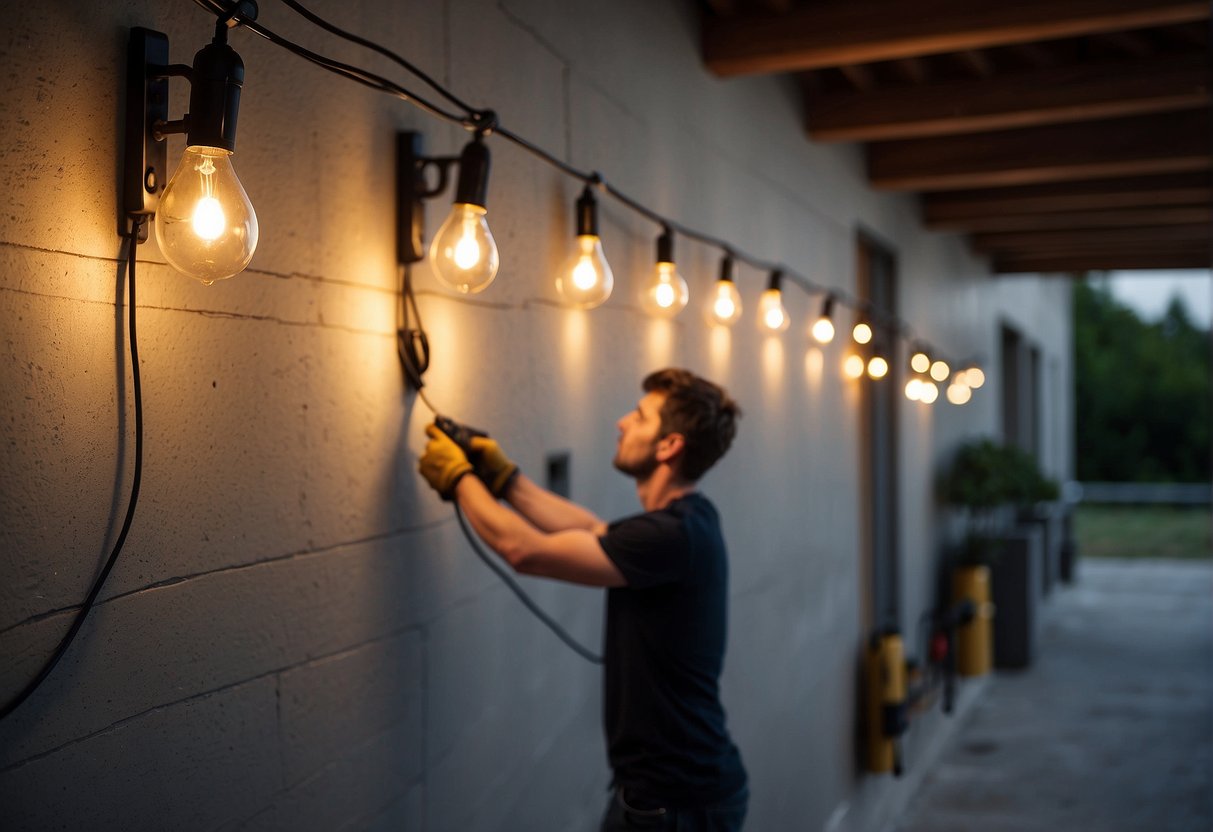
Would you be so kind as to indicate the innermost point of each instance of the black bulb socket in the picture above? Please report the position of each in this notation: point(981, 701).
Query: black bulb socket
point(665, 247)
point(473, 185)
point(215, 83)
point(587, 214)
point(775, 281)
point(726, 268)
point(827, 306)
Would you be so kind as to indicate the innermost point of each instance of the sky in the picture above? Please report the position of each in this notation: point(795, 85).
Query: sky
point(1150, 292)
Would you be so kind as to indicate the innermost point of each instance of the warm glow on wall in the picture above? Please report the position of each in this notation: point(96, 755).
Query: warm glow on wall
point(853, 366)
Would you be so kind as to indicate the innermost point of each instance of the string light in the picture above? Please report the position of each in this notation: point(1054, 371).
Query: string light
point(823, 327)
point(878, 367)
point(465, 255)
point(724, 306)
point(914, 389)
point(920, 362)
point(959, 393)
point(667, 295)
point(861, 333)
point(586, 280)
point(772, 317)
point(940, 370)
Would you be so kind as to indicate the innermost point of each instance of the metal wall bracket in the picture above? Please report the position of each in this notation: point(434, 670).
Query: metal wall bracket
point(145, 168)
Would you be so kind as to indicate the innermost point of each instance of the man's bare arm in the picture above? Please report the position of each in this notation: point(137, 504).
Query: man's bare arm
point(551, 512)
point(572, 555)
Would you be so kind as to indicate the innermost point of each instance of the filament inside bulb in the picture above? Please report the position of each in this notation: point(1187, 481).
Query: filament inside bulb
point(725, 307)
point(584, 274)
point(664, 295)
point(208, 219)
point(467, 251)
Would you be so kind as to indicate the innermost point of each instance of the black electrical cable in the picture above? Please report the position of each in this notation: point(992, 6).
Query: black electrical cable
point(353, 73)
point(136, 477)
point(560, 632)
point(382, 50)
point(412, 344)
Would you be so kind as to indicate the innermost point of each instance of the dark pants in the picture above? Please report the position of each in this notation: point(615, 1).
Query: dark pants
point(624, 813)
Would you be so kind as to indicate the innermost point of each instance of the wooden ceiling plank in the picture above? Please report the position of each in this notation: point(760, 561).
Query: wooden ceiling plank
point(1178, 258)
point(834, 34)
point(860, 76)
point(913, 70)
point(1114, 218)
point(1130, 42)
point(1134, 192)
point(1167, 143)
point(1110, 239)
point(1044, 96)
point(978, 62)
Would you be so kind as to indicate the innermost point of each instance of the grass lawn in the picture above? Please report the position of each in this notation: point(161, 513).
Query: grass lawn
point(1143, 532)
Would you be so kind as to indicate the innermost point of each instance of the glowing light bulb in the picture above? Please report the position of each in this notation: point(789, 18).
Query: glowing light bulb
point(959, 393)
point(940, 370)
point(974, 377)
point(667, 295)
point(853, 366)
point(772, 317)
point(929, 393)
point(725, 306)
point(920, 362)
point(586, 280)
point(205, 224)
point(877, 367)
point(823, 327)
point(862, 332)
point(464, 254)
point(914, 389)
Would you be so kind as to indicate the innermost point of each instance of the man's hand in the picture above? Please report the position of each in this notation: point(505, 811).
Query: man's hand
point(443, 464)
point(493, 467)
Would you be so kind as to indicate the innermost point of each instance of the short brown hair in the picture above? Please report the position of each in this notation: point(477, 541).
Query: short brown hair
point(701, 411)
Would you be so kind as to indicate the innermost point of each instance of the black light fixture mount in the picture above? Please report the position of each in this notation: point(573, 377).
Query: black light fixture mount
point(413, 189)
point(216, 79)
point(205, 224)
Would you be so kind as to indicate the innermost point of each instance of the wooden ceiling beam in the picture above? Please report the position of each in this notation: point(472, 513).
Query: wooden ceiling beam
point(863, 31)
point(955, 207)
point(1113, 218)
point(1148, 238)
point(1167, 143)
point(1176, 258)
point(1042, 96)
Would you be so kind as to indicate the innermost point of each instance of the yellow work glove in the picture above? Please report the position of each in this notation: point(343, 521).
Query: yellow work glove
point(443, 464)
point(493, 467)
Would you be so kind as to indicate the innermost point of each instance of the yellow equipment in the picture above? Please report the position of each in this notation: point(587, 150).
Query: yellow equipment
point(885, 712)
point(973, 647)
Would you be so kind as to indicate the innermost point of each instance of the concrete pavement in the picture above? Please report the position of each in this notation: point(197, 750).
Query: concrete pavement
point(1110, 730)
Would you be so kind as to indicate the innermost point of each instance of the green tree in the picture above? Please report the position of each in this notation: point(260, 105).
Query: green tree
point(1142, 392)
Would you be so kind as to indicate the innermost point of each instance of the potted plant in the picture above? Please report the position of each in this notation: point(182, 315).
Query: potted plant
point(990, 482)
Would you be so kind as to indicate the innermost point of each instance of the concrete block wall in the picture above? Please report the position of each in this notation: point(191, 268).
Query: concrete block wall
point(296, 636)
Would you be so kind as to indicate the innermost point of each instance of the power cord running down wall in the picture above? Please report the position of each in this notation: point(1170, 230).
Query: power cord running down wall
point(132, 238)
point(414, 348)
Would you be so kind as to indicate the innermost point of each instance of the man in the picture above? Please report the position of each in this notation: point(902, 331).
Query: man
point(666, 571)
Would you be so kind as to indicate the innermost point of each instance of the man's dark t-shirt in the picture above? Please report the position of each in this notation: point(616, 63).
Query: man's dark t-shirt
point(665, 639)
